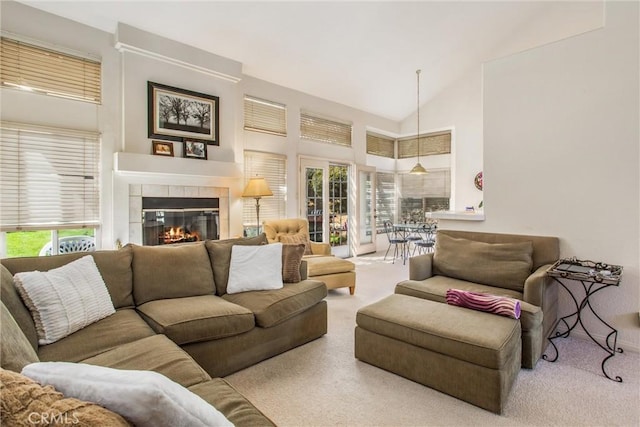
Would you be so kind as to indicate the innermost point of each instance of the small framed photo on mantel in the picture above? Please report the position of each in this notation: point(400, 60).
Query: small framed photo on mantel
point(195, 149)
point(161, 148)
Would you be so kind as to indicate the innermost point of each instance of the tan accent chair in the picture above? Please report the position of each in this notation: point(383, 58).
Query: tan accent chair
point(321, 265)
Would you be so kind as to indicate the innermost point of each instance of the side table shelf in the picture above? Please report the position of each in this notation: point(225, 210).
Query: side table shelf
point(594, 276)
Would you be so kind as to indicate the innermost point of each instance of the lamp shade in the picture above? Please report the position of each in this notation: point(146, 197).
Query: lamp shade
point(418, 169)
point(257, 187)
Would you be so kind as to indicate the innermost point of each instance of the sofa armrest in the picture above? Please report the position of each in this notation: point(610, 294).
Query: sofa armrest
point(420, 267)
point(319, 248)
point(536, 286)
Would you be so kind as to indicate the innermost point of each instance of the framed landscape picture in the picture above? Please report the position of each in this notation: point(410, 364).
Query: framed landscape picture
point(180, 115)
point(195, 149)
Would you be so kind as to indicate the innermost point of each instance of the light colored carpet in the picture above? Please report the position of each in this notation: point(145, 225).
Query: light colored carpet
point(323, 384)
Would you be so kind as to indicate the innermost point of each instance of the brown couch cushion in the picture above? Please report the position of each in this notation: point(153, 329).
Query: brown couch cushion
point(273, 307)
point(193, 319)
point(504, 265)
point(15, 349)
point(171, 271)
point(122, 327)
point(114, 267)
point(26, 403)
point(291, 259)
point(155, 353)
point(233, 405)
point(220, 256)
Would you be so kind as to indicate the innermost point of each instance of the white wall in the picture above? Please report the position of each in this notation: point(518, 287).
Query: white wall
point(561, 151)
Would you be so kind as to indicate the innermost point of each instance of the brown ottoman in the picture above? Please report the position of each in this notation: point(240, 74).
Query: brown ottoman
point(468, 354)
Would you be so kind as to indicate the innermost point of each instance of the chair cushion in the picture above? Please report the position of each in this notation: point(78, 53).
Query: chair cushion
point(193, 319)
point(505, 265)
point(98, 337)
point(220, 258)
point(273, 307)
point(435, 289)
point(321, 265)
point(171, 271)
point(155, 353)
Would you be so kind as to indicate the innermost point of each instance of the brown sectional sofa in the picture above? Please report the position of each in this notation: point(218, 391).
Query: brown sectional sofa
point(173, 316)
point(508, 265)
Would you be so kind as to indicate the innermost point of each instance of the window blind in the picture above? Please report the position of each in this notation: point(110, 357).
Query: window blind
point(385, 198)
point(265, 116)
point(42, 70)
point(273, 168)
point(437, 183)
point(430, 144)
point(381, 145)
point(49, 178)
point(324, 130)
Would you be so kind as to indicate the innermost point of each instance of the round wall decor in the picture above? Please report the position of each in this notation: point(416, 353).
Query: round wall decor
point(478, 181)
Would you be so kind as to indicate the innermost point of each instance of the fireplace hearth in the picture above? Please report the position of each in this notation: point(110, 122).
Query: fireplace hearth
point(170, 220)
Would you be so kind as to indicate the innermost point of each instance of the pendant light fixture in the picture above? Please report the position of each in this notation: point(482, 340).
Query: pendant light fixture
point(418, 169)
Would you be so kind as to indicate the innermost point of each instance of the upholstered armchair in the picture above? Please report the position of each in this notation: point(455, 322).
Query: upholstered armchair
point(321, 265)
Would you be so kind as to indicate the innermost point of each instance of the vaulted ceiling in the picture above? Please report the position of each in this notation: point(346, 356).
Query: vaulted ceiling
point(361, 54)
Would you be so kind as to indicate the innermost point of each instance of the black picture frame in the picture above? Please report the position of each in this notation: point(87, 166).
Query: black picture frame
point(180, 115)
point(163, 148)
point(195, 149)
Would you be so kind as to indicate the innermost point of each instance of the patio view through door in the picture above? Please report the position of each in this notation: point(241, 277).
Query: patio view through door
point(325, 203)
point(366, 212)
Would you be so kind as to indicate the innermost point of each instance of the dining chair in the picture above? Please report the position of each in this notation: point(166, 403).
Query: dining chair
point(396, 239)
point(427, 241)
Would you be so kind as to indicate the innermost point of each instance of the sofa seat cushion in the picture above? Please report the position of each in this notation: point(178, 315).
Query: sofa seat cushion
point(506, 265)
point(321, 265)
point(155, 353)
point(479, 338)
point(194, 319)
point(233, 405)
point(273, 307)
point(122, 327)
point(435, 289)
point(171, 271)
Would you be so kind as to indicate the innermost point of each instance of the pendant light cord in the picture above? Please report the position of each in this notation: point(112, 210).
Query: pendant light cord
point(418, 111)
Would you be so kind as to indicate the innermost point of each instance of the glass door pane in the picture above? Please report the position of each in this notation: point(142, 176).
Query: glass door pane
point(314, 200)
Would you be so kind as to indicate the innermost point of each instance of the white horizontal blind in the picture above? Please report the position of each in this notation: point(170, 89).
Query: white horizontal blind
point(42, 70)
point(437, 183)
point(324, 130)
point(380, 145)
point(273, 168)
point(265, 116)
point(430, 144)
point(48, 178)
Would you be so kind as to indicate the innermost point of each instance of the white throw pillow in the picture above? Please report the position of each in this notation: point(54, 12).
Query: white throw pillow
point(145, 398)
point(65, 299)
point(255, 268)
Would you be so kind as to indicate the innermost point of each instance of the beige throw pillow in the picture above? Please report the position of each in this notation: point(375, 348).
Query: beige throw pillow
point(297, 239)
point(505, 265)
point(65, 299)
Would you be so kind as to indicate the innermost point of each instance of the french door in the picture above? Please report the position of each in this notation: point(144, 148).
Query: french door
point(366, 210)
point(325, 203)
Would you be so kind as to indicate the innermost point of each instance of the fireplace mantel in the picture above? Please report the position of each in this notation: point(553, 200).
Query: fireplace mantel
point(147, 164)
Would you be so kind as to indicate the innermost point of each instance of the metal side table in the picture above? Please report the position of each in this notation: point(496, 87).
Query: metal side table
point(594, 276)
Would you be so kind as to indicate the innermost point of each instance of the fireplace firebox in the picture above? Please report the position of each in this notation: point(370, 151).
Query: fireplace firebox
point(169, 220)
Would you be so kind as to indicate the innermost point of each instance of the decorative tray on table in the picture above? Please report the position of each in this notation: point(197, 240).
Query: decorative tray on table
point(572, 268)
